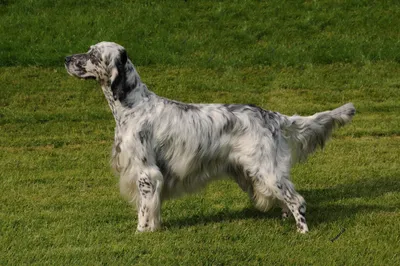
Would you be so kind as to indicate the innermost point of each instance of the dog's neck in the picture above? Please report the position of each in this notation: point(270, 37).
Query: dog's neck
point(135, 92)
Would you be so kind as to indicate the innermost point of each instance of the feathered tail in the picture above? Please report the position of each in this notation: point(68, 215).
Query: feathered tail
point(306, 134)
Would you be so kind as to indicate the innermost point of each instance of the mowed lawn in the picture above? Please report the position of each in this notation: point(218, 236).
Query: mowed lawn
point(59, 199)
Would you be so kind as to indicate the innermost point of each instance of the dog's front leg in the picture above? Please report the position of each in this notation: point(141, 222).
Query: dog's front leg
point(149, 184)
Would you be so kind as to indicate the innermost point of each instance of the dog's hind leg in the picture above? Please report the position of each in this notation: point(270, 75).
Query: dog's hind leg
point(294, 202)
point(269, 188)
point(271, 182)
point(259, 196)
point(149, 184)
point(284, 189)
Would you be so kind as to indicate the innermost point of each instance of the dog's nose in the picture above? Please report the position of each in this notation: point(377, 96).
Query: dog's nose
point(68, 59)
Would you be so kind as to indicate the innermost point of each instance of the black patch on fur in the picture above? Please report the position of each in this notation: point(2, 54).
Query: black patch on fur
point(269, 118)
point(118, 148)
point(300, 226)
point(301, 210)
point(145, 192)
point(228, 126)
point(162, 165)
point(272, 115)
point(143, 136)
point(145, 133)
point(162, 160)
point(119, 87)
point(229, 123)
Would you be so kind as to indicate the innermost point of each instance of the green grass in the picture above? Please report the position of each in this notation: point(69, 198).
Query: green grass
point(203, 33)
point(59, 201)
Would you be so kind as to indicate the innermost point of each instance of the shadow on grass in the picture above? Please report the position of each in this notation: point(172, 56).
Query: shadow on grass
point(221, 216)
point(347, 200)
point(324, 205)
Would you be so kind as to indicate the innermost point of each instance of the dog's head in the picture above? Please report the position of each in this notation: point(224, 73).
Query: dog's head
point(104, 62)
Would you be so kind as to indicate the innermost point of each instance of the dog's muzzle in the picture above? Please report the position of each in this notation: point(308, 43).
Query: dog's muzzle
point(68, 60)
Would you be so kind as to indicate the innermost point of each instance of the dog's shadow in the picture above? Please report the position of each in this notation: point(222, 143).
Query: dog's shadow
point(323, 205)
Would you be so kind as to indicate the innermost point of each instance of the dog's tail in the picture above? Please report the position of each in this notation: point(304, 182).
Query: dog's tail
point(306, 134)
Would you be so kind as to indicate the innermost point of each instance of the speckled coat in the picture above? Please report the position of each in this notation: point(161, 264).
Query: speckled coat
point(164, 148)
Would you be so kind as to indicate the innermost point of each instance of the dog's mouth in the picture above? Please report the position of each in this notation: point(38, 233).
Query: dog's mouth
point(78, 73)
point(89, 77)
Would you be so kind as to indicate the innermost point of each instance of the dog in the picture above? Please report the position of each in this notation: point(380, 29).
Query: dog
point(164, 148)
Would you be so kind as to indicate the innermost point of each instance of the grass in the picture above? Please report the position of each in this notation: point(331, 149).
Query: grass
point(203, 33)
point(60, 202)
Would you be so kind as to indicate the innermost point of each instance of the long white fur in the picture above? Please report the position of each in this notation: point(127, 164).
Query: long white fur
point(164, 148)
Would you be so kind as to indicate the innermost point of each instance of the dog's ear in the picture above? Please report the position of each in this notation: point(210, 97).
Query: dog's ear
point(118, 76)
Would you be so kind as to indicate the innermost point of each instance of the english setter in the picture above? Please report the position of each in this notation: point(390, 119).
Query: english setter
point(163, 148)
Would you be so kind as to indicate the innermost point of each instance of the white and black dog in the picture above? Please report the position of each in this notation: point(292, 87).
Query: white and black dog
point(164, 148)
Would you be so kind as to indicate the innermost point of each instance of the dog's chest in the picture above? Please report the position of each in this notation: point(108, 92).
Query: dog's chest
point(121, 158)
point(116, 152)
point(125, 148)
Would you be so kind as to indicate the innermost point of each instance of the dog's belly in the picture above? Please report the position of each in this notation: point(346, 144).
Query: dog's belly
point(175, 186)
